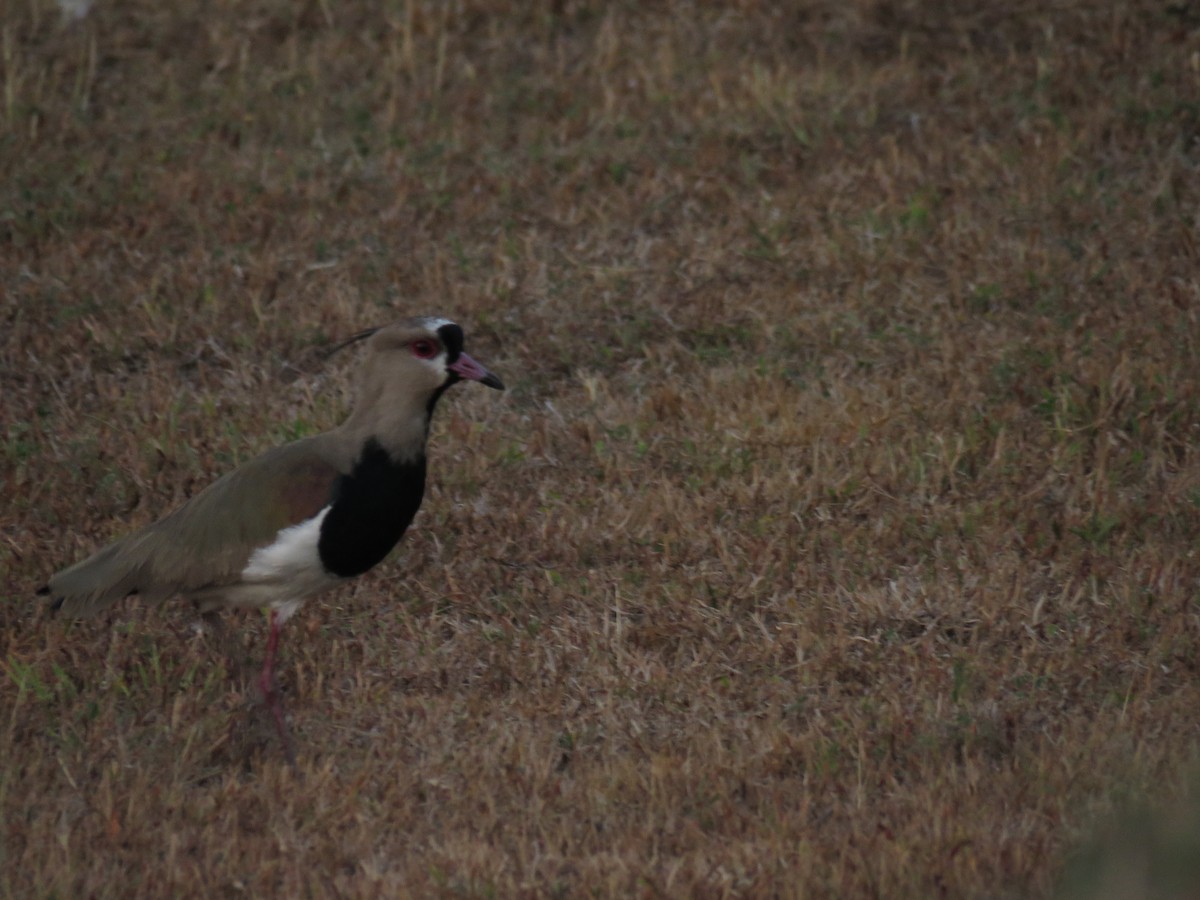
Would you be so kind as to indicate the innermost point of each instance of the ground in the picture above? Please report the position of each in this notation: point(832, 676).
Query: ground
point(837, 535)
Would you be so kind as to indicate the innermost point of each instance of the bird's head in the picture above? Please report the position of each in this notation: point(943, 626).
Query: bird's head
point(408, 366)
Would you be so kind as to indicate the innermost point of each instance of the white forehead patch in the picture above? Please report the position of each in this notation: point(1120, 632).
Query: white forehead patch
point(434, 324)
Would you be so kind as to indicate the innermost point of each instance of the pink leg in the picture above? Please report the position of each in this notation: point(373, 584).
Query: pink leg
point(266, 681)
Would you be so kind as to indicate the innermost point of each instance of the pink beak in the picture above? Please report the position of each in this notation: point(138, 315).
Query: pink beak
point(466, 367)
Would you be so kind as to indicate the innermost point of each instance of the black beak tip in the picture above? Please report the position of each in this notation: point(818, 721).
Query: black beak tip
point(492, 381)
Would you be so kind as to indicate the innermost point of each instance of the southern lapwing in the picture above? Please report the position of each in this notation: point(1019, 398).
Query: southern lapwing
point(301, 518)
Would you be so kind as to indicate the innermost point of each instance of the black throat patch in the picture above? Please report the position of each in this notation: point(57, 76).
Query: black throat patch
point(452, 340)
point(372, 507)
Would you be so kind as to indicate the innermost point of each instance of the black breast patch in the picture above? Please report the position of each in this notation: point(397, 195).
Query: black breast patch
point(372, 507)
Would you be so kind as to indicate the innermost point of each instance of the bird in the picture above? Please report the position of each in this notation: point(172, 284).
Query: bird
point(299, 519)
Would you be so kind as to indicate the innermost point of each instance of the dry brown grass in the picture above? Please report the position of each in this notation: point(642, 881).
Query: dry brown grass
point(838, 535)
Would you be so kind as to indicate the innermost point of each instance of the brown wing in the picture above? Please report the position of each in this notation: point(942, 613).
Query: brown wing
point(206, 542)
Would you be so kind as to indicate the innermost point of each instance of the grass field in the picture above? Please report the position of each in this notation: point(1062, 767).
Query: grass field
point(837, 535)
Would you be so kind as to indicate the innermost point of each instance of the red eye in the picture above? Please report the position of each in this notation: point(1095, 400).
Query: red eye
point(424, 349)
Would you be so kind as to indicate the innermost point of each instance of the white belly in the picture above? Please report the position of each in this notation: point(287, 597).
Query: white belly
point(286, 572)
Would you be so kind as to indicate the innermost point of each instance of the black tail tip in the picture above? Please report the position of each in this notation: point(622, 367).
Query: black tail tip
point(56, 604)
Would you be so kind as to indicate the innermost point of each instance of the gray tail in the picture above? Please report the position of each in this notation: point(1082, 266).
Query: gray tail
point(91, 586)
